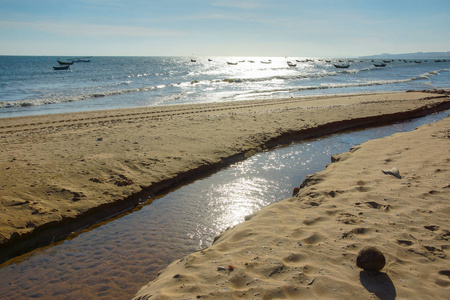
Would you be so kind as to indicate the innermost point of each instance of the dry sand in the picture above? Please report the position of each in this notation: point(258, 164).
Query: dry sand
point(306, 246)
point(60, 173)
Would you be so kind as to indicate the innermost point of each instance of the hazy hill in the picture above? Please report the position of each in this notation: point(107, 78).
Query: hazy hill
point(421, 55)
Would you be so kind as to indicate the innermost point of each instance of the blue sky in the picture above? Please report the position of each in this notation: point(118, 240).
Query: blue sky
point(300, 28)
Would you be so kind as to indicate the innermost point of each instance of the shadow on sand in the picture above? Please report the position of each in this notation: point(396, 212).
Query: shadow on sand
point(378, 283)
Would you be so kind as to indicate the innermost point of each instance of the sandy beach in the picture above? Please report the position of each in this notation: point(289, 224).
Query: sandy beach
point(63, 172)
point(390, 193)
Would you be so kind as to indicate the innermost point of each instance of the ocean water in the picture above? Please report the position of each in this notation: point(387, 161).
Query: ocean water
point(30, 86)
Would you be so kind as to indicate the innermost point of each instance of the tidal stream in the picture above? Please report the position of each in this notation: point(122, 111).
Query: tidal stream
point(112, 260)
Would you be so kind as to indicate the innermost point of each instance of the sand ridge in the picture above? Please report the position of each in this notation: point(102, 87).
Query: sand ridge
point(306, 246)
point(62, 172)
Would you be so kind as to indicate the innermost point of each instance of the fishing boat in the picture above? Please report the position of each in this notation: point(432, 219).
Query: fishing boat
point(380, 65)
point(266, 62)
point(232, 63)
point(64, 63)
point(62, 67)
point(291, 64)
point(341, 66)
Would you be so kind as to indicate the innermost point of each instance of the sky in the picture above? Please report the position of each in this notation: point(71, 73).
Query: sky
point(299, 28)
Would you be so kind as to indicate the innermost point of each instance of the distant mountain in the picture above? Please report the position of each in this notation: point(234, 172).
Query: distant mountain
point(419, 55)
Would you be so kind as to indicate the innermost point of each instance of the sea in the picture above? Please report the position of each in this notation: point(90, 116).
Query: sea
point(30, 86)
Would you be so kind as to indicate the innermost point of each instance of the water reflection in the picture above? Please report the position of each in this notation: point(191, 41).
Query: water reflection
point(116, 259)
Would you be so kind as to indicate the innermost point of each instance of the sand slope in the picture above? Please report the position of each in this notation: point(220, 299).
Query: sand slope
point(306, 246)
point(62, 172)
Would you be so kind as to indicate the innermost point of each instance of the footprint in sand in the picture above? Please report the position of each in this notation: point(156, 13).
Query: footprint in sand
point(315, 238)
point(405, 242)
point(431, 227)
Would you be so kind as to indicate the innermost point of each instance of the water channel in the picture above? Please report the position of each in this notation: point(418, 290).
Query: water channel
point(114, 259)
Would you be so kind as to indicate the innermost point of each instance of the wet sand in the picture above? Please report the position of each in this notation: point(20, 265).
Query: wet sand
point(63, 172)
point(391, 193)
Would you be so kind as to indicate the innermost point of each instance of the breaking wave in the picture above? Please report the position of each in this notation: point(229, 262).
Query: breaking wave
point(65, 99)
point(332, 86)
point(284, 77)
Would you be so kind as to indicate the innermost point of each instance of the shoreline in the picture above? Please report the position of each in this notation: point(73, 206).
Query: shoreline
point(306, 246)
point(181, 105)
point(66, 172)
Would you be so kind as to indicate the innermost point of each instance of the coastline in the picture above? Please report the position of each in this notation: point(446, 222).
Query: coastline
point(64, 172)
point(306, 246)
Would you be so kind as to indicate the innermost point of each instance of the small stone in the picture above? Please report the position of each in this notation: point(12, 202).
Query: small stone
point(370, 259)
point(394, 172)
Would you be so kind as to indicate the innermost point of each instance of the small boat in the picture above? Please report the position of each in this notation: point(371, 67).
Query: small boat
point(251, 61)
point(266, 62)
point(193, 60)
point(380, 65)
point(417, 61)
point(232, 63)
point(63, 67)
point(64, 63)
point(341, 66)
point(291, 64)
point(209, 59)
